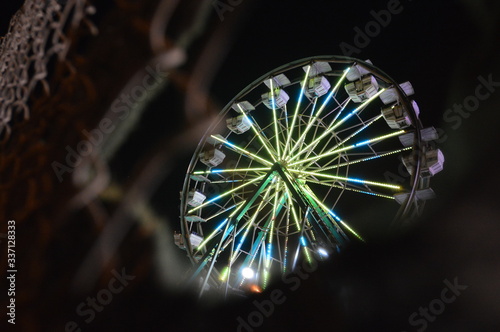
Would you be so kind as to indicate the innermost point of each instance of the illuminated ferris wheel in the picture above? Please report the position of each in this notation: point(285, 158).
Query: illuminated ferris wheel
point(302, 161)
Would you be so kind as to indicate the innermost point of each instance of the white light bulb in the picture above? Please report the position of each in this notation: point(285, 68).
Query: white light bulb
point(323, 252)
point(248, 273)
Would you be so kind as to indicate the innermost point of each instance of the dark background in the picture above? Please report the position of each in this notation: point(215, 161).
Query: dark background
point(442, 47)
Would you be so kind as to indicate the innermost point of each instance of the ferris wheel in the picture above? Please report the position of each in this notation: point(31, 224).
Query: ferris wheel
point(302, 161)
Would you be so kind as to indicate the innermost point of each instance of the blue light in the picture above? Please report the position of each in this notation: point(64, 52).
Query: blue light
point(269, 249)
point(221, 224)
point(303, 241)
point(322, 252)
point(363, 143)
point(313, 108)
point(335, 216)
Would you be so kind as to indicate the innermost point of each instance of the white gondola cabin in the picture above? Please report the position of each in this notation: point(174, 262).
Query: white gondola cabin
point(433, 163)
point(279, 99)
point(362, 89)
point(195, 198)
point(212, 158)
point(317, 87)
point(426, 134)
point(391, 95)
point(194, 238)
point(239, 124)
point(356, 72)
point(397, 117)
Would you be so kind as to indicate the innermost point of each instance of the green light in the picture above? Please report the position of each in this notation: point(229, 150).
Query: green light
point(250, 224)
point(340, 178)
point(294, 213)
point(327, 210)
point(224, 274)
point(308, 256)
point(266, 278)
point(273, 218)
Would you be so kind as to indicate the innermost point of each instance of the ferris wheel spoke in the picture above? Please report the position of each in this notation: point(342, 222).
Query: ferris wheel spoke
point(250, 224)
point(275, 122)
point(259, 133)
point(239, 214)
point(242, 151)
point(220, 225)
point(348, 179)
point(302, 194)
point(258, 245)
point(232, 170)
point(333, 214)
point(226, 193)
point(371, 157)
point(223, 210)
point(347, 188)
point(345, 140)
point(314, 118)
point(335, 125)
point(350, 147)
point(270, 232)
point(296, 113)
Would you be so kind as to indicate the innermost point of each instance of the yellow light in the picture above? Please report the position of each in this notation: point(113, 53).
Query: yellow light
point(294, 119)
point(259, 136)
point(275, 119)
point(350, 189)
point(327, 210)
point(232, 170)
point(313, 119)
point(350, 147)
point(334, 125)
point(242, 150)
point(365, 159)
point(225, 194)
point(224, 274)
point(341, 178)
